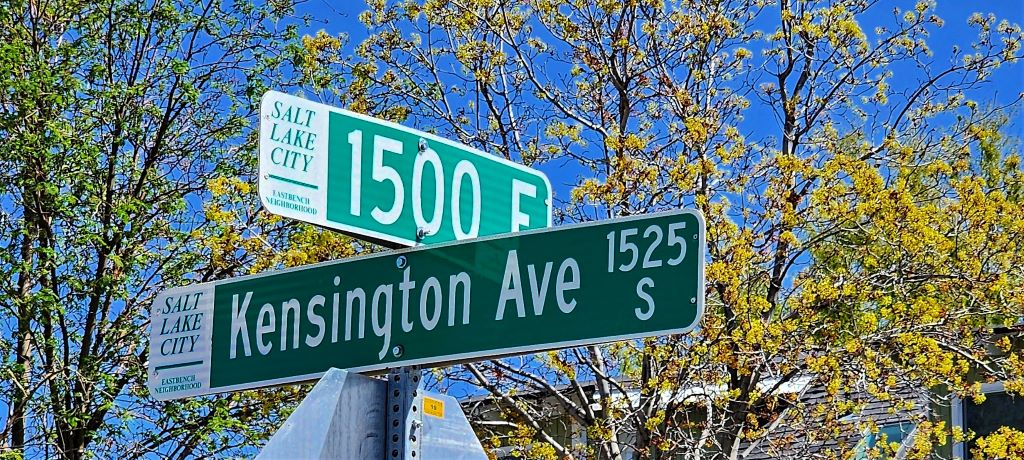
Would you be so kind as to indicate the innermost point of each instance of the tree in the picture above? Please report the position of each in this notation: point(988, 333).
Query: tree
point(864, 217)
point(863, 205)
point(115, 116)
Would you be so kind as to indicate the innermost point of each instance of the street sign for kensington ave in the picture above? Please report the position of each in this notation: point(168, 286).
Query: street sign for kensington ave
point(454, 302)
point(388, 183)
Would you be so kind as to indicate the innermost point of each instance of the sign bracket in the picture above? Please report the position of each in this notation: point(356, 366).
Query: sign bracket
point(352, 416)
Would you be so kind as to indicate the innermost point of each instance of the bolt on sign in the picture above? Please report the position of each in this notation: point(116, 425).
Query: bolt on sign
point(388, 183)
point(454, 302)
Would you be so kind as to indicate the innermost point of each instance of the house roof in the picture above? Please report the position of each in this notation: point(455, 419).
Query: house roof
point(799, 432)
point(802, 431)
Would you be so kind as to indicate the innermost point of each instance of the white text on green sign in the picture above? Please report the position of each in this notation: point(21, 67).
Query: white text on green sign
point(517, 293)
point(377, 179)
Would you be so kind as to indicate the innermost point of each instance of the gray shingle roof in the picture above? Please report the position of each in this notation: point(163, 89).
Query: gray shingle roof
point(803, 431)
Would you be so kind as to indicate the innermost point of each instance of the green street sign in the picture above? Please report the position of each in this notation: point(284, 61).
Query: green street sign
point(456, 302)
point(388, 183)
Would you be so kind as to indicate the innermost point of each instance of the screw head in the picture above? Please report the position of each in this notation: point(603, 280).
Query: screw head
point(401, 262)
point(693, 300)
point(397, 351)
point(422, 145)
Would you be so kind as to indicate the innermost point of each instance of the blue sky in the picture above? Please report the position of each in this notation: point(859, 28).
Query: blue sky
point(336, 18)
point(1007, 82)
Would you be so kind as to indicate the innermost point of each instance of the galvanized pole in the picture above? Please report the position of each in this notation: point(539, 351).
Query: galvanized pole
point(405, 417)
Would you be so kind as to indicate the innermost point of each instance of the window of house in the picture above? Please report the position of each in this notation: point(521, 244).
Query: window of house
point(999, 409)
point(895, 433)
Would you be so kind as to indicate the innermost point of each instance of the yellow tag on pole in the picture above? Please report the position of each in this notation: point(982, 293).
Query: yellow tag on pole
point(433, 407)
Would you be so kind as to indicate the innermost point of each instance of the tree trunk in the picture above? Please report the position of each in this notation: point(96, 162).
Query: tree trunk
point(23, 357)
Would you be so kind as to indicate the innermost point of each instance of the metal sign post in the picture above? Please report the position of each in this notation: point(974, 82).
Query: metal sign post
point(354, 417)
point(405, 419)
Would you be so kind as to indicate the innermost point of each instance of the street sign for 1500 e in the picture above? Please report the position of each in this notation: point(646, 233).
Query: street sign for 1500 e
point(386, 182)
point(452, 302)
